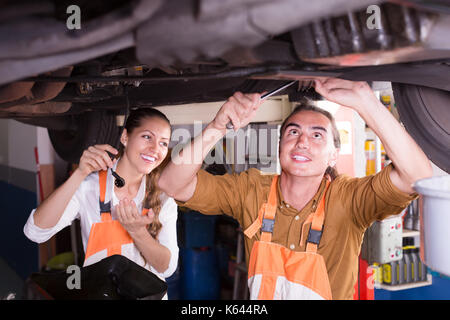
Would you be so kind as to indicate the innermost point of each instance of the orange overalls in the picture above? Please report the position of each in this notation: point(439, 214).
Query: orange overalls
point(274, 271)
point(108, 235)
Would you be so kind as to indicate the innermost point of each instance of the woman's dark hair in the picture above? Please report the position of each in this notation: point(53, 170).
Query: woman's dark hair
point(331, 171)
point(152, 197)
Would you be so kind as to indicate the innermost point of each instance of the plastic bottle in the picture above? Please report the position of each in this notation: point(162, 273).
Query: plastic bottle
point(378, 273)
point(423, 272)
point(389, 273)
point(416, 264)
point(415, 215)
point(401, 270)
point(408, 218)
point(386, 101)
point(408, 264)
point(369, 149)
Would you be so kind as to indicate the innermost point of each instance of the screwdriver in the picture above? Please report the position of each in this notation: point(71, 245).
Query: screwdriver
point(118, 181)
point(267, 95)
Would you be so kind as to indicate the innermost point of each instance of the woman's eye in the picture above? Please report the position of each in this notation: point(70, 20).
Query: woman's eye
point(146, 136)
point(164, 144)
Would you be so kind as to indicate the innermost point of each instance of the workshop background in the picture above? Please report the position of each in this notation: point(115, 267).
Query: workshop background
point(211, 264)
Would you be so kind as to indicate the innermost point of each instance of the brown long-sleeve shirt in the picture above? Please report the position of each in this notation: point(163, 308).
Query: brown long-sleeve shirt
point(351, 205)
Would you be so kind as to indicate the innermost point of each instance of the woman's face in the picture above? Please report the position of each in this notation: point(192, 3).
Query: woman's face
point(147, 145)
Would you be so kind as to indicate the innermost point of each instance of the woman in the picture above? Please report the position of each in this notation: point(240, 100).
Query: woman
point(119, 222)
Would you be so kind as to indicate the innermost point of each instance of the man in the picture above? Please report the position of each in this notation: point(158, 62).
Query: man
point(303, 229)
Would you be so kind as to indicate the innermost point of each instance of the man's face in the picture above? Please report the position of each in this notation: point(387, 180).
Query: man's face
point(306, 145)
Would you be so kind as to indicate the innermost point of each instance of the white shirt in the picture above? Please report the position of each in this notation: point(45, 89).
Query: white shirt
point(84, 205)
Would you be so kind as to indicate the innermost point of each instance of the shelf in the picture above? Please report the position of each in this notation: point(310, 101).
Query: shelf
point(406, 286)
point(410, 233)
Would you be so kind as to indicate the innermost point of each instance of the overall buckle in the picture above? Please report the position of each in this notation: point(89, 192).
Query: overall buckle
point(267, 225)
point(105, 207)
point(314, 236)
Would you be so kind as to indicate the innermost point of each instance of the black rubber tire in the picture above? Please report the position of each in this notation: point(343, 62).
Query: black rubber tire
point(425, 112)
point(96, 127)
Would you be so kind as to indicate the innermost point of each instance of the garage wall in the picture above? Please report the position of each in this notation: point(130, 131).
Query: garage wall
point(17, 195)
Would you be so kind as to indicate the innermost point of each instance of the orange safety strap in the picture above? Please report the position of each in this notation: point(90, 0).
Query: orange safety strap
point(317, 223)
point(256, 225)
point(106, 215)
point(269, 213)
point(105, 208)
point(266, 215)
point(102, 175)
point(271, 206)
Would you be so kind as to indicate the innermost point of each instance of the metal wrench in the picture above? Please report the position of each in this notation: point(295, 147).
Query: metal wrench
point(267, 95)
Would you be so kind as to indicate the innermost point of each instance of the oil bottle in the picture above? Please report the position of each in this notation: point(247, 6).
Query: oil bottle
point(416, 264)
point(401, 270)
point(409, 267)
point(390, 273)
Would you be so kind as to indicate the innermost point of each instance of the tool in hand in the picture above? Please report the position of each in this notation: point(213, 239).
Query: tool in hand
point(267, 95)
point(118, 181)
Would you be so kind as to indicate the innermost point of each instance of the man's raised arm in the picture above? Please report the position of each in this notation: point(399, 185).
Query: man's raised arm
point(179, 178)
point(411, 163)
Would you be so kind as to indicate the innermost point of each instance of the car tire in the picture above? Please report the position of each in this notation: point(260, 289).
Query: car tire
point(425, 113)
point(96, 127)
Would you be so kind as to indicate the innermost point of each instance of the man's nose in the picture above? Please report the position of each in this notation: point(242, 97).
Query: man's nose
point(302, 142)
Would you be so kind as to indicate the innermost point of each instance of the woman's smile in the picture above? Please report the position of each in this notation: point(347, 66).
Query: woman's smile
point(148, 158)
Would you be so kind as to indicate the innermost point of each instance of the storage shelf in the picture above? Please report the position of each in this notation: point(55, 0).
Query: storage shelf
point(405, 286)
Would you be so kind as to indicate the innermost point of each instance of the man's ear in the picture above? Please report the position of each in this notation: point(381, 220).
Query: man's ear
point(334, 157)
point(124, 137)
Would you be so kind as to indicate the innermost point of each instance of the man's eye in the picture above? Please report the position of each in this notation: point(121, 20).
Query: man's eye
point(146, 136)
point(293, 132)
point(317, 135)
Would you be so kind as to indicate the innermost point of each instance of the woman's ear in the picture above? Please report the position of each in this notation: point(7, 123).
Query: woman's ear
point(124, 137)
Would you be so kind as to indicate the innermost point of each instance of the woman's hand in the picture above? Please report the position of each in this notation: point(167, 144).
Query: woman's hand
point(95, 158)
point(154, 253)
point(355, 95)
point(131, 219)
point(239, 109)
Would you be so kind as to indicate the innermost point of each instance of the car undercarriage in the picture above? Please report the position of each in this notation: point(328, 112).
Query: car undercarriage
point(133, 54)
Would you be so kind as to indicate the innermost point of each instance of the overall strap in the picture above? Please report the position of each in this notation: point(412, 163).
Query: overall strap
point(105, 197)
point(266, 215)
point(268, 220)
point(315, 232)
point(105, 204)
